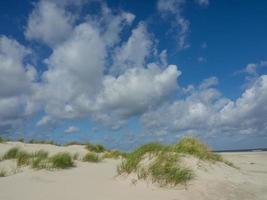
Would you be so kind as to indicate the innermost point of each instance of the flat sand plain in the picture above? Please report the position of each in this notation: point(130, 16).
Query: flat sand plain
point(99, 181)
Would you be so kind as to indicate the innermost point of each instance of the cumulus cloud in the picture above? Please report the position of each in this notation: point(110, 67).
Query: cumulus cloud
point(206, 111)
point(49, 23)
point(75, 84)
point(94, 73)
point(135, 51)
point(16, 82)
point(136, 90)
point(72, 129)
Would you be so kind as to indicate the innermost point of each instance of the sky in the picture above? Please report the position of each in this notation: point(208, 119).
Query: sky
point(124, 73)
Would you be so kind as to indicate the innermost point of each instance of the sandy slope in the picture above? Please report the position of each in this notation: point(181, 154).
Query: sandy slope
point(99, 181)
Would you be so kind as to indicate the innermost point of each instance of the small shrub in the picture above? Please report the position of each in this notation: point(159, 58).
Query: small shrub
point(98, 148)
point(12, 153)
point(61, 161)
point(1, 140)
point(23, 158)
point(91, 157)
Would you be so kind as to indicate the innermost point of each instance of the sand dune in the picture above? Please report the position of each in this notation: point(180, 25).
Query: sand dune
point(99, 181)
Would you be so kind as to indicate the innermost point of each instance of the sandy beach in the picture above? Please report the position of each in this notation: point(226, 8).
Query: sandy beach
point(99, 181)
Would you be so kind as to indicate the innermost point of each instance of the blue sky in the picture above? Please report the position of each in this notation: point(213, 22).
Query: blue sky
point(122, 73)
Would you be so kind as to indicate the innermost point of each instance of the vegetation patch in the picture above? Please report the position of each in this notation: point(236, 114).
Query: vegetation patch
point(1, 140)
point(23, 158)
point(91, 157)
point(43, 142)
point(61, 161)
point(40, 160)
point(11, 153)
point(115, 154)
point(98, 148)
point(160, 163)
point(130, 164)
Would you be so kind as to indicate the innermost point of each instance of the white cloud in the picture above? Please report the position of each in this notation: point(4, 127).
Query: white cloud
point(46, 121)
point(49, 23)
point(174, 8)
point(72, 129)
point(137, 89)
point(206, 111)
point(75, 73)
point(134, 52)
point(16, 82)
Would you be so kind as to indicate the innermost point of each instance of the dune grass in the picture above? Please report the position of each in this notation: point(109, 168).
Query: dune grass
point(166, 170)
point(132, 160)
point(97, 148)
point(33, 141)
point(1, 140)
point(23, 158)
point(193, 146)
point(11, 153)
point(40, 160)
point(61, 161)
point(91, 157)
point(115, 154)
point(162, 161)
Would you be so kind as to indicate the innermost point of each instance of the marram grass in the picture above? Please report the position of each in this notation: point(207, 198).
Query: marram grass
point(164, 166)
point(91, 157)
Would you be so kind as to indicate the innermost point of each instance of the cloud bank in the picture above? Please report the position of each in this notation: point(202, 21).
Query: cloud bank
point(97, 72)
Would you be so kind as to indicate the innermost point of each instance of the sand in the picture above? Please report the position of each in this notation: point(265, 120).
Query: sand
point(99, 181)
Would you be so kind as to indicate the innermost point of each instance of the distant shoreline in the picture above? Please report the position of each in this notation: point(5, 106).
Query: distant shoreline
point(241, 150)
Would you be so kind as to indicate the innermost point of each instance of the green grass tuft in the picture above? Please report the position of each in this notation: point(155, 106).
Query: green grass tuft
point(1, 140)
point(166, 170)
point(61, 161)
point(40, 160)
point(162, 161)
point(11, 153)
point(98, 148)
point(91, 157)
point(192, 146)
point(132, 160)
point(23, 158)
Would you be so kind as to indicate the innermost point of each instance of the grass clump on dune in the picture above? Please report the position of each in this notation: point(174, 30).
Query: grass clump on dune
point(161, 164)
point(132, 160)
point(98, 148)
point(192, 146)
point(115, 154)
point(91, 157)
point(166, 170)
point(40, 160)
point(61, 161)
point(11, 153)
point(23, 158)
point(1, 140)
